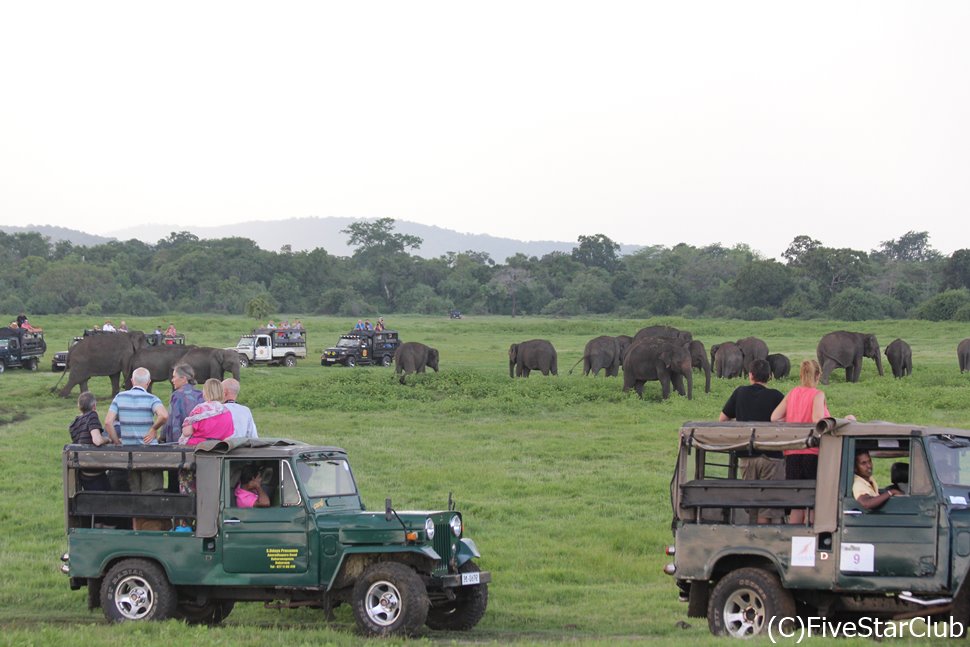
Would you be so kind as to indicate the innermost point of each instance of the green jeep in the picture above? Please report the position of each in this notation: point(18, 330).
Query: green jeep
point(314, 545)
point(907, 558)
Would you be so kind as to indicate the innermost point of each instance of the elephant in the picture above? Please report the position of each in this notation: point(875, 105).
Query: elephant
point(842, 349)
point(698, 357)
point(728, 360)
point(682, 337)
point(532, 355)
point(752, 348)
point(963, 355)
point(900, 357)
point(212, 362)
point(662, 360)
point(108, 354)
point(780, 365)
point(413, 357)
point(159, 360)
point(603, 352)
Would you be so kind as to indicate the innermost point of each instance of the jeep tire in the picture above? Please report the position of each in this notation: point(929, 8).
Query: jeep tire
point(289, 361)
point(390, 599)
point(31, 364)
point(386, 361)
point(351, 361)
point(744, 602)
point(468, 607)
point(137, 589)
point(243, 361)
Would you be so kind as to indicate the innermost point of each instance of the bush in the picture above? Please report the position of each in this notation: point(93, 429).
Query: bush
point(962, 313)
point(944, 306)
point(758, 313)
point(856, 304)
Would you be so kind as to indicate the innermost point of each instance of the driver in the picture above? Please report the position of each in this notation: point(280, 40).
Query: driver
point(864, 487)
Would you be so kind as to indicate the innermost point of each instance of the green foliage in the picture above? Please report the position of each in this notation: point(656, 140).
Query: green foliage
point(259, 308)
point(944, 306)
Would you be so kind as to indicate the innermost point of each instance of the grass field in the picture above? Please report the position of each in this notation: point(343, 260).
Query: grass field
point(563, 480)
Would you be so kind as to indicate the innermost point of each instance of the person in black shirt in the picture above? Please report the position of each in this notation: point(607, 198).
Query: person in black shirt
point(754, 403)
point(88, 430)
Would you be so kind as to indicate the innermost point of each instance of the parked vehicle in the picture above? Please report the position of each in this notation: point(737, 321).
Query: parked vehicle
point(272, 346)
point(314, 544)
point(20, 348)
point(907, 558)
point(363, 347)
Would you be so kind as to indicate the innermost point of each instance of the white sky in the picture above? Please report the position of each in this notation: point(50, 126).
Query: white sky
point(650, 122)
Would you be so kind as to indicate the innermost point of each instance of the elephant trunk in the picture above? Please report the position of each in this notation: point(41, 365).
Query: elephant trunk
point(511, 368)
point(707, 374)
point(690, 384)
point(878, 361)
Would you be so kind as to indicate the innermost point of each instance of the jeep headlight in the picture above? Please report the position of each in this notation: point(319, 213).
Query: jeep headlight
point(456, 525)
point(429, 528)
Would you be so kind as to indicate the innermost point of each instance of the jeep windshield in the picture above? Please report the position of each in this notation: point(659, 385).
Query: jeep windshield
point(245, 341)
point(950, 456)
point(348, 342)
point(326, 478)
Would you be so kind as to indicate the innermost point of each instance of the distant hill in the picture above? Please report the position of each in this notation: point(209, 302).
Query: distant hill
point(57, 234)
point(310, 233)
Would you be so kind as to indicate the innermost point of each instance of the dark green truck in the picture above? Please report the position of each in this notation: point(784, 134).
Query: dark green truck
point(315, 545)
point(909, 558)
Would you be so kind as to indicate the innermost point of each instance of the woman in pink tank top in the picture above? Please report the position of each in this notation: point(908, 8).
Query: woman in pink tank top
point(804, 403)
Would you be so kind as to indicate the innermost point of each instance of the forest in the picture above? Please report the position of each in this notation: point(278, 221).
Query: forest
point(903, 278)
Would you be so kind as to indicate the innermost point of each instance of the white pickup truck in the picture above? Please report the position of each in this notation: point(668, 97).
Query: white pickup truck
point(272, 346)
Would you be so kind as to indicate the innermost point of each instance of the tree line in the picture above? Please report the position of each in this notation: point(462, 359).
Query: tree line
point(903, 278)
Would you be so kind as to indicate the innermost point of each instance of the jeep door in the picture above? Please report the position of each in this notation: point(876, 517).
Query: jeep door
point(895, 546)
point(263, 350)
point(269, 543)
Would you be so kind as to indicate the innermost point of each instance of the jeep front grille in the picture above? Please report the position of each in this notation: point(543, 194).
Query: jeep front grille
point(443, 540)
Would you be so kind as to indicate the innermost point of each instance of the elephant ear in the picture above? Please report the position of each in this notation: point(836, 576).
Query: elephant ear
point(513, 351)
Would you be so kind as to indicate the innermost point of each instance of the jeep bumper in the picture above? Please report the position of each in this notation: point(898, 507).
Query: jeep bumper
point(462, 579)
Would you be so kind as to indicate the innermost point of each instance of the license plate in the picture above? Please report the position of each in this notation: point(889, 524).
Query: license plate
point(469, 578)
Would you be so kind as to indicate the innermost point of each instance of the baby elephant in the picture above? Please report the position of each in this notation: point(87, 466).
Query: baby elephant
point(413, 357)
point(532, 355)
point(900, 358)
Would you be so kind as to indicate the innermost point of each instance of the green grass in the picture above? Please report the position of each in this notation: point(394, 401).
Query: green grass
point(563, 481)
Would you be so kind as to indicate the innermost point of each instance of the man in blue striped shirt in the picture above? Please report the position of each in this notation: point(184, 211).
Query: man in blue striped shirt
point(140, 415)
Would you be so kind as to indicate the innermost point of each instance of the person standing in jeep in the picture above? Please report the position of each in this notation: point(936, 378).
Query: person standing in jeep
point(755, 402)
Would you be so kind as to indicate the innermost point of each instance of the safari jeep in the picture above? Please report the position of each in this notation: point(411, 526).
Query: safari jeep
point(905, 559)
point(272, 346)
point(20, 348)
point(315, 545)
point(363, 347)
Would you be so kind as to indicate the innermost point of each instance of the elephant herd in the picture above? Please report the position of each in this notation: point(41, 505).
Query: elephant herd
point(655, 354)
point(117, 354)
point(668, 355)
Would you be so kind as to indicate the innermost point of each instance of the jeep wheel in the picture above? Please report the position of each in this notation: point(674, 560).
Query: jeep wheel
point(351, 362)
point(390, 599)
point(210, 613)
point(136, 589)
point(289, 361)
point(745, 601)
point(243, 361)
point(31, 364)
point(1, 367)
point(386, 361)
point(468, 607)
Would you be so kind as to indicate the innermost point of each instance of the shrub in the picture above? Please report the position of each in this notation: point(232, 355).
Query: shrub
point(758, 313)
point(944, 305)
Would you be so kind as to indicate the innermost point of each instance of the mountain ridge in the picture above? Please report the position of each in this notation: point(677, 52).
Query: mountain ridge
point(304, 234)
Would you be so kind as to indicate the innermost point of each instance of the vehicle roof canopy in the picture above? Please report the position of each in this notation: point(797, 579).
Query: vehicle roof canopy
point(777, 436)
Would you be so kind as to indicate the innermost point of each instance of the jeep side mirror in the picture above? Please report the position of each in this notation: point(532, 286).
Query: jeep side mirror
point(388, 514)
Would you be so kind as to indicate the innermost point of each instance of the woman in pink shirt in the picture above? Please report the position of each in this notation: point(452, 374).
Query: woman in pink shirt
point(804, 403)
point(209, 420)
point(250, 493)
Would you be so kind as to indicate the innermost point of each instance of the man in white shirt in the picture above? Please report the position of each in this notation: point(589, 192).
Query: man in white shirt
point(242, 418)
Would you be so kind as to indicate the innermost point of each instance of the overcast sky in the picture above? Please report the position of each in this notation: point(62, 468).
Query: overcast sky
point(650, 122)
